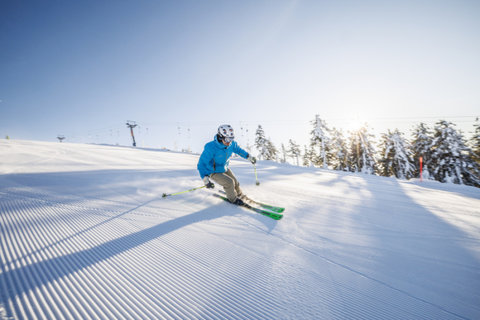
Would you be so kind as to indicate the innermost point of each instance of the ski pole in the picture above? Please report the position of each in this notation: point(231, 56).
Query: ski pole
point(174, 194)
point(256, 177)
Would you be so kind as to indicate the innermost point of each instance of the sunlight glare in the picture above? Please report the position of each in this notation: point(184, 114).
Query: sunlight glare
point(355, 123)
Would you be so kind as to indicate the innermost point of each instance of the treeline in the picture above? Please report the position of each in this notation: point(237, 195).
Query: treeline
point(445, 154)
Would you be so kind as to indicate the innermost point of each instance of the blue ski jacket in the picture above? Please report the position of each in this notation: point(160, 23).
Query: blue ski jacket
point(216, 157)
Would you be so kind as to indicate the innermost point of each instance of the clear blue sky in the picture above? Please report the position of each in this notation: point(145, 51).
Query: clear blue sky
point(181, 68)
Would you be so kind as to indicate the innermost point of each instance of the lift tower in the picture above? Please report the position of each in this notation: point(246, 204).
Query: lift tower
point(131, 125)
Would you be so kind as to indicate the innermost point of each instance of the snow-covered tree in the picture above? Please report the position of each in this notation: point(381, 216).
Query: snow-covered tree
point(306, 156)
point(283, 158)
point(396, 156)
point(265, 147)
point(453, 160)
point(261, 143)
point(320, 141)
point(361, 157)
point(422, 147)
point(272, 151)
point(339, 150)
point(294, 151)
point(475, 142)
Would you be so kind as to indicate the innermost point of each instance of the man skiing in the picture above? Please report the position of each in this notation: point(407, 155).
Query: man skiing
point(214, 161)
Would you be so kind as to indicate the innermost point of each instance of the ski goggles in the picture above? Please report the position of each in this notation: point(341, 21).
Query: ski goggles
point(228, 139)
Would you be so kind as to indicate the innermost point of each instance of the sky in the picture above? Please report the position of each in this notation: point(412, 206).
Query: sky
point(182, 68)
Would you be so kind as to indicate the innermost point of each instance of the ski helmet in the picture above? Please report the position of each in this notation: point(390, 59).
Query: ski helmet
point(225, 131)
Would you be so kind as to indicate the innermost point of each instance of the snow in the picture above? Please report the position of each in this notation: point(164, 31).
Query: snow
point(85, 233)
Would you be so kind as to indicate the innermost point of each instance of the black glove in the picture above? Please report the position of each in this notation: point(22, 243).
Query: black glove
point(253, 160)
point(209, 184)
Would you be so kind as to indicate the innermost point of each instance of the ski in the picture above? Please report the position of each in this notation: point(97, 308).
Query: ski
point(263, 205)
point(266, 206)
point(273, 215)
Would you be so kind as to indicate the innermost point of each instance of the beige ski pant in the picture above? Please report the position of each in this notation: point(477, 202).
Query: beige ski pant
point(229, 183)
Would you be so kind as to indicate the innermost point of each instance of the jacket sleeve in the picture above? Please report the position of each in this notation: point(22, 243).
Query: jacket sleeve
point(205, 163)
point(242, 153)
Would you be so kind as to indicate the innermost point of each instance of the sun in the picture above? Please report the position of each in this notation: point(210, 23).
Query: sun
point(355, 123)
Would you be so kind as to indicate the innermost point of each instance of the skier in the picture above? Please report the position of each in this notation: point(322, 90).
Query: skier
point(214, 161)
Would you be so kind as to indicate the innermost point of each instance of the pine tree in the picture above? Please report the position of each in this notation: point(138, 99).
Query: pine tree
point(422, 147)
point(265, 147)
point(294, 151)
point(362, 153)
point(452, 158)
point(339, 150)
point(261, 143)
point(320, 141)
point(306, 157)
point(396, 156)
point(284, 154)
point(272, 151)
point(475, 142)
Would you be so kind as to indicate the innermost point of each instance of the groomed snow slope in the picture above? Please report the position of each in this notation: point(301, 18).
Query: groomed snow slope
point(85, 234)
